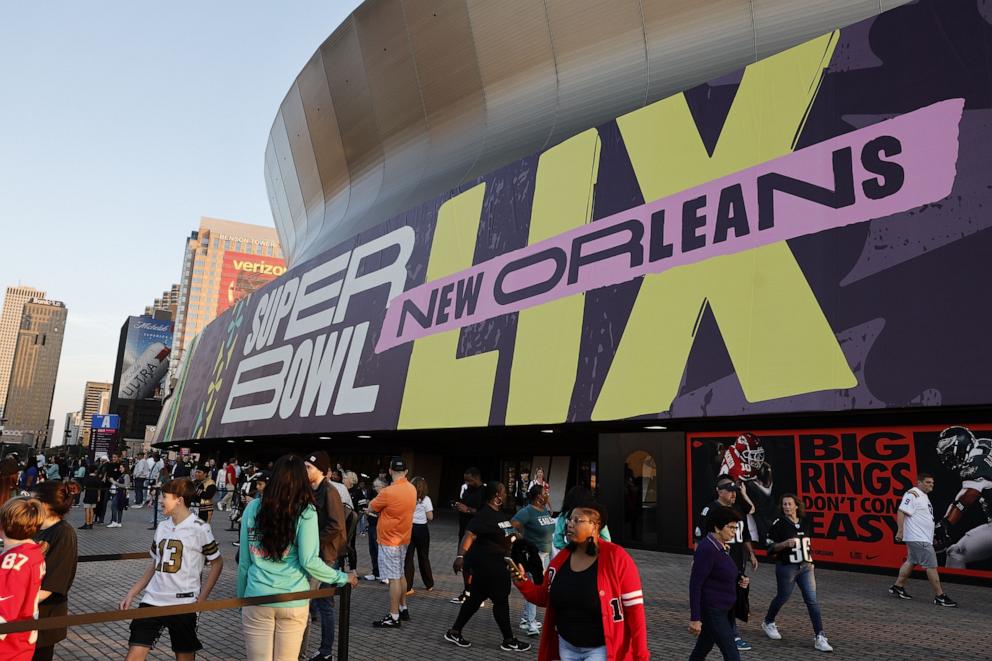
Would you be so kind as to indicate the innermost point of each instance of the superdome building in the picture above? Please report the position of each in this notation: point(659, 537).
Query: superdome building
point(636, 244)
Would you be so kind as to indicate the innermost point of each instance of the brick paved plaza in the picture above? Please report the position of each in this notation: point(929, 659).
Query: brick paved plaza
point(862, 620)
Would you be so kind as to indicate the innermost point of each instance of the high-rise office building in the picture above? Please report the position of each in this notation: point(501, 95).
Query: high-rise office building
point(10, 323)
point(224, 261)
point(169, 302)
point(73, 429)
point(34, 368)
point(96, 400)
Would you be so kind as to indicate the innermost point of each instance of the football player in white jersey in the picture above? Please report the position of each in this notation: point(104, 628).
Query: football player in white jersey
point(182, 545)
point(971, 459)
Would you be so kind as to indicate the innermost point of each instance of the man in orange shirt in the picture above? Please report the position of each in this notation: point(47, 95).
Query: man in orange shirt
point(395, 505)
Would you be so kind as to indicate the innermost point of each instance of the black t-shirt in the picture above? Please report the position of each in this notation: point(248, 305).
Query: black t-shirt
point(783, 529)
point(575, 598)
point(492, 530)
point(92, 485)
point(472, 498)
point(60, 572)
point(736, 544)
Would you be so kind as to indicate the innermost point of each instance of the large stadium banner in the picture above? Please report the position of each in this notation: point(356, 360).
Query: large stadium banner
point(806, 234)
point(851, 482)
point(242, 273)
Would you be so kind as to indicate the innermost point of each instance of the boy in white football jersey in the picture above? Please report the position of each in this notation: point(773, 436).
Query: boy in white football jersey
point(183, 543)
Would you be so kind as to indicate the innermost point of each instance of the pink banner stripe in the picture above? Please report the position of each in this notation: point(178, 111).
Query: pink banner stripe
point(922, 145)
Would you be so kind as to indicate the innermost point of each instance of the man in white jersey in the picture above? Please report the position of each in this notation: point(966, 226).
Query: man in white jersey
point(916, 527)
point(183, 543)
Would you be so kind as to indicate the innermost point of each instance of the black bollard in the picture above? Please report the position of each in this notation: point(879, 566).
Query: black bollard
point(154, 509)
point(344, 621)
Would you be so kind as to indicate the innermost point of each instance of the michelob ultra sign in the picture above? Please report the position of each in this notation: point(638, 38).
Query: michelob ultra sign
point(806, 234)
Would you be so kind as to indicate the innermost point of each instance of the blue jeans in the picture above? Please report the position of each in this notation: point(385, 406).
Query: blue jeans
point(325, 609)
point(718, 629)
point(117, 515)
point(569, 652)
point(788, 576)
point(530, 610)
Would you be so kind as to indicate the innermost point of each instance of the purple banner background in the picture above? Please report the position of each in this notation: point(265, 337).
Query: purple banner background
point(902, 292)
point(929, 139)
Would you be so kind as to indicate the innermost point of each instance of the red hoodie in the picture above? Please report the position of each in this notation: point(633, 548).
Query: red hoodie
point(621, 602)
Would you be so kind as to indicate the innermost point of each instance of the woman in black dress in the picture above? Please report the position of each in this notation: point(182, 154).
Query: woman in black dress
point(60, 562)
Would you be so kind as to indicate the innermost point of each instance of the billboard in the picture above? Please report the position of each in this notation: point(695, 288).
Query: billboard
point(145, 358)
point(104, 436)
point(242, 273)
point(850, 481)
point(795, 236)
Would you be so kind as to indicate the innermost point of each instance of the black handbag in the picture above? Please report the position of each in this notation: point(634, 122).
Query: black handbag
point(742, 609)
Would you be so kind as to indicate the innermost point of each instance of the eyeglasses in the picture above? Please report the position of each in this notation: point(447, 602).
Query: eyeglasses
point(731, 526)
point(577, 521)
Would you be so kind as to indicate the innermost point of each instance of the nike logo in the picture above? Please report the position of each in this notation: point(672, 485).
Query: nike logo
point(871, 557)
point(6, 598)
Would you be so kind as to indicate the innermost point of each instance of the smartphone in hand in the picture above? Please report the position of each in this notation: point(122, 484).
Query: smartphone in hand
point(514, 569)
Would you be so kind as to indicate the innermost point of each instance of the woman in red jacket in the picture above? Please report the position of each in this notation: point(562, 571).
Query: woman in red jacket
point(592, 596)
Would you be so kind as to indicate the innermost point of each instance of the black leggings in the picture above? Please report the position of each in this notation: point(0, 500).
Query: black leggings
point(374, 544)
point(44, 653)
point(489, 581)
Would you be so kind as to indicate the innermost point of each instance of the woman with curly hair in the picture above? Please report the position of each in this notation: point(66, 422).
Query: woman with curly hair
point(279, 531)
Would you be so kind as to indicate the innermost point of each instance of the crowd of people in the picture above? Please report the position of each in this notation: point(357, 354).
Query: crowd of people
point(299, 520)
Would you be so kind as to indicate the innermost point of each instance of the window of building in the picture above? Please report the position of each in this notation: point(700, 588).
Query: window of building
point(216, 244)
point(227, 244)
point(270, 250)
point(237, 246)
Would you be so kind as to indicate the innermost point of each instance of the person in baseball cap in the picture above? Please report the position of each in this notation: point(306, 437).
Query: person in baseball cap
point(394, 505)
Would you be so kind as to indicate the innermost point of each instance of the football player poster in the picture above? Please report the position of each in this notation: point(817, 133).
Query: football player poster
point(850, 481)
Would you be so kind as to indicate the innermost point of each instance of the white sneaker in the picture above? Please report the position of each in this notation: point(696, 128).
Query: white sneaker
point(771, 630)
point(534, 630)
point(820, 643)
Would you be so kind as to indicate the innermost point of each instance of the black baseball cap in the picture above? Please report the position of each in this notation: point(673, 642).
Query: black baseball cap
point(726, 484)
point(397, 464)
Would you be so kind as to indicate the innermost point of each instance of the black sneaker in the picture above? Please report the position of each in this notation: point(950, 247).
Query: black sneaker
point(321, 657)
point(386, 623)
point(514, 645)
point(944, 600)
point(405, 615)
point(460, 599)
point(897, 591)
point(456, 639)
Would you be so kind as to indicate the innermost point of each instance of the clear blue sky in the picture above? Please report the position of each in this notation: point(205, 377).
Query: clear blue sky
point(121, 123)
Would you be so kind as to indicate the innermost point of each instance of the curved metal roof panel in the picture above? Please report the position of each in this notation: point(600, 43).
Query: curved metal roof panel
point(409, 98)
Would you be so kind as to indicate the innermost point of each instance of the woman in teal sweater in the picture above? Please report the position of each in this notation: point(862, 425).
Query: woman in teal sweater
point(280, 550)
